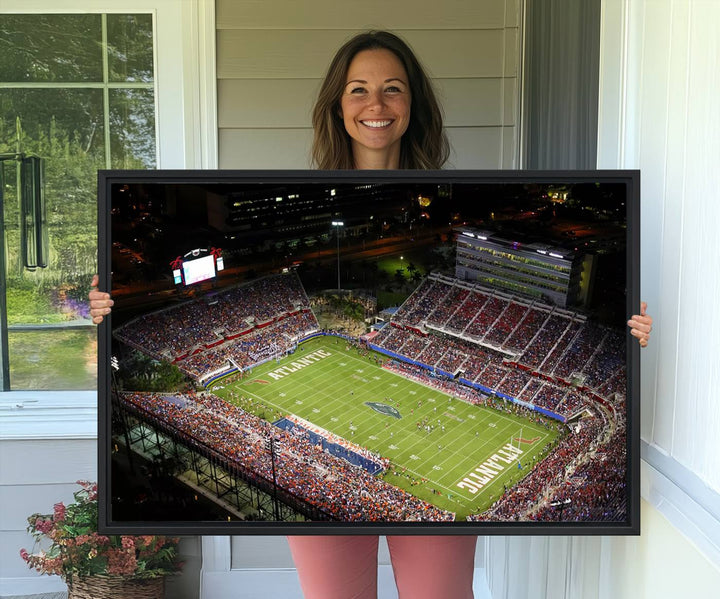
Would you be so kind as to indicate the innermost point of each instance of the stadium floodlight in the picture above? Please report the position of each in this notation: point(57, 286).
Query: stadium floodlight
point(337, 224)
point(270, 446)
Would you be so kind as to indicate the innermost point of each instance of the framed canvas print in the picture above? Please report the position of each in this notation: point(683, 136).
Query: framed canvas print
point(315, 352)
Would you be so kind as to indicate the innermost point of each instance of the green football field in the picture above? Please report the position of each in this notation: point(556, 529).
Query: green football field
point(460, 465)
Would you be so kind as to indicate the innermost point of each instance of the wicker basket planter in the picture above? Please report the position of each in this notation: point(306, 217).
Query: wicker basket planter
point(67, 544)
point(116, 587)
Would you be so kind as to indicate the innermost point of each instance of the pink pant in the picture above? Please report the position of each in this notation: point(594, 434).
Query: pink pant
point(345, 567)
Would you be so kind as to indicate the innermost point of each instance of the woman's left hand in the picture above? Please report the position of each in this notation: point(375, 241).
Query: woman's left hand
point(641, 325)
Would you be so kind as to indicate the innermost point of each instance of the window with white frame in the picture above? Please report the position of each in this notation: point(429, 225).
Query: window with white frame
point(77, 94)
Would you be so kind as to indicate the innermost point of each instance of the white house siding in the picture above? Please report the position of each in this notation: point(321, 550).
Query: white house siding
point(36, 474)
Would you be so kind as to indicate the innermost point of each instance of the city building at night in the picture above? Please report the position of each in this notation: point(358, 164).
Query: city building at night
point(535, 270)
point(299, 211)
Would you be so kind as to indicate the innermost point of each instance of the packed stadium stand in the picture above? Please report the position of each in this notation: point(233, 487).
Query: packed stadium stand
point(226, 331)
point(520, 348)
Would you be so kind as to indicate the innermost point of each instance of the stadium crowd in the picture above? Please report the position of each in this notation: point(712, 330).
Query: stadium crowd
point(345, 492)
point(549, 342)
point(256, 346)
point(597, 489)
point(444, 311)
point(506, 344)
point(545, 353)
point(233, 328)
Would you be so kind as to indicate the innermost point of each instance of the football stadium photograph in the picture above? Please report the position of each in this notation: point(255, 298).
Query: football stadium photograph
point(370, 352)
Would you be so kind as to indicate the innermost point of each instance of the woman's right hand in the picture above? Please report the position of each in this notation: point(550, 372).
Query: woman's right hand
point(100, 302)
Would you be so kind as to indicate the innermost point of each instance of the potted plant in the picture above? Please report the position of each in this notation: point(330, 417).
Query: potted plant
point(93, 565)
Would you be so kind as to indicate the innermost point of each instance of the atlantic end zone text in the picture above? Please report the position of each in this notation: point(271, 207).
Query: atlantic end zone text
point(490, 468)
point(298, 364)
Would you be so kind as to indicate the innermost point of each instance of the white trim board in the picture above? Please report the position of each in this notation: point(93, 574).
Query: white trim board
point(688, 504)
point(41, 415)
point(284, 584)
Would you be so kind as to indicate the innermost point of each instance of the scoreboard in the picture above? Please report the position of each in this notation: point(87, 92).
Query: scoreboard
point(197, 265)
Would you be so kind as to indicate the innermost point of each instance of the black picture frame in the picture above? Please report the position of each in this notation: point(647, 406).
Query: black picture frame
point(273, 231)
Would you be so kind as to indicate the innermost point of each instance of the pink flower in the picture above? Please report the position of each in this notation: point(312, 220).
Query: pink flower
point(72, 554)
point(43, 526)
point(53, 565)
point(128, 543)
point(121, 562)
point(89, 488)
point(59, 512)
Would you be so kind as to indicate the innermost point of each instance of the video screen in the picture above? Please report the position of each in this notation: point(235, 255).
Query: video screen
point(380, 352)
point(198, 270)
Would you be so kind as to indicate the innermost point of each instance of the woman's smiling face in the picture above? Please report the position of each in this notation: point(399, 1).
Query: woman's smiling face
point(375, 108)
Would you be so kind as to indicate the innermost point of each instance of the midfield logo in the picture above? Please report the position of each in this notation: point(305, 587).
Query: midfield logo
point(383, 409)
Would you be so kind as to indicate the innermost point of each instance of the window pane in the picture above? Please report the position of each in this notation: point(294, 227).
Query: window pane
point(50, 48)
point(65, 128)
point(57, 359)
point(53, 122)
point(132, 128)
point(130, 48)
